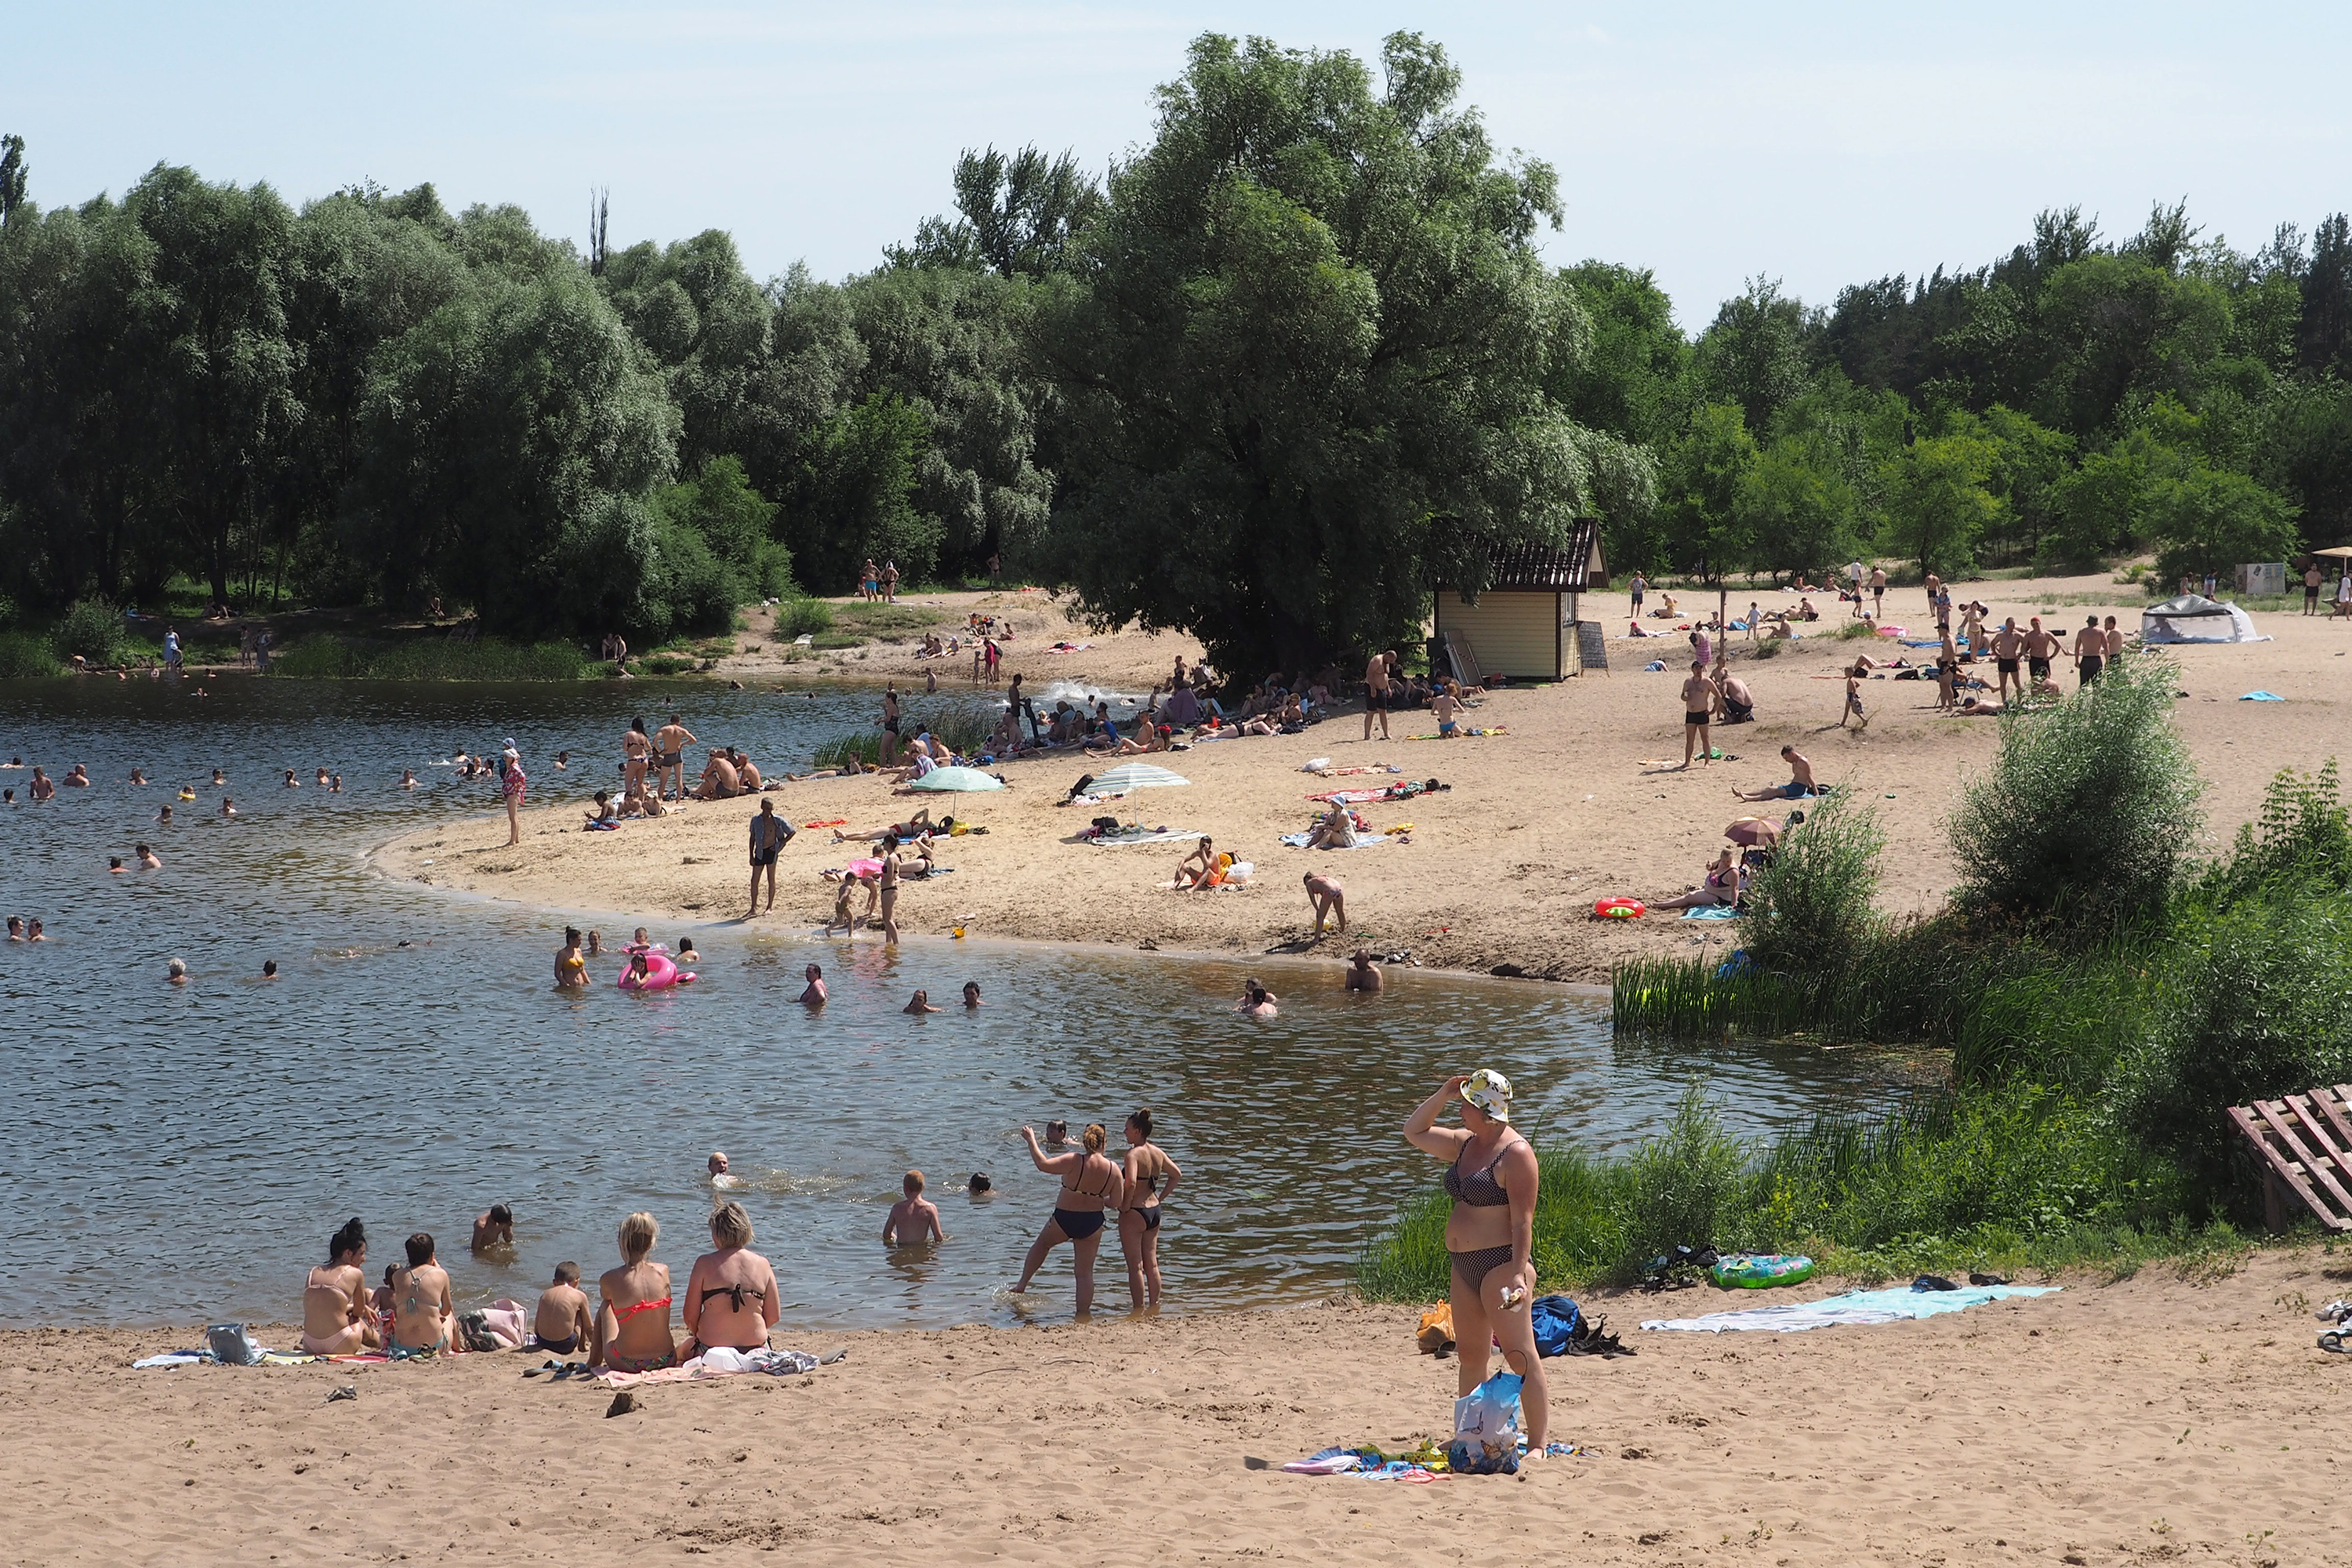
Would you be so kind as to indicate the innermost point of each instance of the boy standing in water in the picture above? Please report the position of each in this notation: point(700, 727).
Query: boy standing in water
point(495, 1228)
point(914, 1218)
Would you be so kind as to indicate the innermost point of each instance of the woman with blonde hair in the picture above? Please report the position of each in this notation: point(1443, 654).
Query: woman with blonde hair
point(1490, 1236)
point(1090, 1184)
point(632, 1324)
point(731, 1297)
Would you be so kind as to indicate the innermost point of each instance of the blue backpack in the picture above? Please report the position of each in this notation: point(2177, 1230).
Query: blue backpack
point(1555, 1321)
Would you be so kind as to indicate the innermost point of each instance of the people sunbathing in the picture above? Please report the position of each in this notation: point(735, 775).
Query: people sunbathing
point(1724, 884)
point(1204, 868)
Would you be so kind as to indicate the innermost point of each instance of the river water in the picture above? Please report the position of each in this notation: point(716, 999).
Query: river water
point(178, 1154)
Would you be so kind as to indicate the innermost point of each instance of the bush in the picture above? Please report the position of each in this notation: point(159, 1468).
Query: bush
point(802, 617)
point(24, 656)
point(92, 628)
point(326, 658)
point(2082, 822)
point(2303, 837)
point(1810, 909)
point(1685, 1188)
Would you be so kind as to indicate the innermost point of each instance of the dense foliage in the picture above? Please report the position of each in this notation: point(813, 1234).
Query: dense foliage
point(1292, 364)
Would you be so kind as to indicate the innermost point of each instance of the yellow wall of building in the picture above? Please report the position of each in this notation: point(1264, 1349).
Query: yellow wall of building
point(1516, 634)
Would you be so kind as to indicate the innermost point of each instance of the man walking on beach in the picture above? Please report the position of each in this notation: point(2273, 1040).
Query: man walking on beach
point(1878, 593)
point(1638, 587)
point(2310, 581)
point(1698, 709)
point(1377, 672)
point(769, 834)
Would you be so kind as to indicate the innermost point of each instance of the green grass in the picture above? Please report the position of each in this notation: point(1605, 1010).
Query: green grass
point(963, 727)
point(326, 656)
point(883, 622)
point(26, 656)
point(802, 617)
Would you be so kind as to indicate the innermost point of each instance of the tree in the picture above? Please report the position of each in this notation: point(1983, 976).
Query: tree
point(860, 496)
point(1936, 503)
point(1801, 514)
point(2210, 519)
point(1755, 352)
point(736, 523)
point(1304, 381)
point(1021, 216)
point(13, 175)
point(2105, 503)
point(1703, 500)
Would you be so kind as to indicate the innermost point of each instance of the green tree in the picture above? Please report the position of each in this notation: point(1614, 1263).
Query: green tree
point(2210, 519)
point(1304, 381)
point(1755, 352)
point(1705, 498)
point(736, 523)
point(860, 497)
point(1021, 216)
point(13, 177)
point(1800, 513)
point(1937, 507)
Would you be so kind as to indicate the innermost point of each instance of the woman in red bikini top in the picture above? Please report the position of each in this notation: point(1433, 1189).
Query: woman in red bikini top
point(633, 1331)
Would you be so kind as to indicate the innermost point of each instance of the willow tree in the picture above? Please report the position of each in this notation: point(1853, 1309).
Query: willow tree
point(1302, 360)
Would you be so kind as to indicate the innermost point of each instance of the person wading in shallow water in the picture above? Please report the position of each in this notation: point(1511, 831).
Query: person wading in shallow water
point(1091, 1183)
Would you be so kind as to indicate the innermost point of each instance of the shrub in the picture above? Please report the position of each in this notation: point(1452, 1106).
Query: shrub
point(1685, 1186)
point(23, 656)
point(1811, 908)
point(321, 656)
point(92, 628)
point(2083, 820)
point(2303, 837)
point(802, 617)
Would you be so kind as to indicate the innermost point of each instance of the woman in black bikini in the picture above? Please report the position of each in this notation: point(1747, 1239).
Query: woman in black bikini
point(731, 1297)
point(1138, 1216)
point(1490, 1236)
point(1090, 1182)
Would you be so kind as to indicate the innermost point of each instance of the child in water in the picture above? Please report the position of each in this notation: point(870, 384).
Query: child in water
point(914, 1219)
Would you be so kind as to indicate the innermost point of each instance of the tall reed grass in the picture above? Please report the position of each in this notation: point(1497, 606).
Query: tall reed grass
point(961, 726)
point(24, 656)
point(325, 657)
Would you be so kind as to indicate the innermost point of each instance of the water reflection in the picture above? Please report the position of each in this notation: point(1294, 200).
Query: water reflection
point(182, 1153)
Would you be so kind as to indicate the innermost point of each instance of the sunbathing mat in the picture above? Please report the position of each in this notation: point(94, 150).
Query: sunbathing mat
point(1367, 796)
point(722, 1362)
point(1473, 731)
point(1154, 836)
point(1711, 913)
point(1298, 841)
point(1855, 1307)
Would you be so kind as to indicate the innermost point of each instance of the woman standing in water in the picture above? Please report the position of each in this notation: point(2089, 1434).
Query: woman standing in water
point(1490, 1236)
point(1139, 1217)
point(1090, 1184)
point(511, 785)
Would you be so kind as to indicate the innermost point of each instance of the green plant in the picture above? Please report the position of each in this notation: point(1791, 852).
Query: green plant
point(1685, 1185)
point(92, 628)
point(1770, 647)
point(323, 656)
point(2083, 820)
point(23, 656)
point(962, 728)
point(2303, 835)
point(1855, 629)
point(802, 617)
point(1811, 908)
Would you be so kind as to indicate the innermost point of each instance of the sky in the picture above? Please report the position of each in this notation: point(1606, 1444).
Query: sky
point(1821, 146)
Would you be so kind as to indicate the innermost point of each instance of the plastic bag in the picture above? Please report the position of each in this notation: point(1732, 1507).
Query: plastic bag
point(231, 1345)
point(1487, 1428)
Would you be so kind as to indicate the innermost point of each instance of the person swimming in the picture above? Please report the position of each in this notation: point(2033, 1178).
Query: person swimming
point(571, 963)
point(720, 1176)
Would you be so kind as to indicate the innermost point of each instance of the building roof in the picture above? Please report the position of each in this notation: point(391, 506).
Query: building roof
point(1541, 569)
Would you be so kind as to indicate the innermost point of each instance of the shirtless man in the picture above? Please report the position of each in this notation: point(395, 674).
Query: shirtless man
point(1734, 704)
point(335, 1316)
point(670, 743)
point(2114, 640)
point(42, 787)
point(1801, 779)
point(1878, 593)
point(563, 1322)
point(914, 1218)
point(495, 1228)
point(77, 776)
point(2008, 644)
point(719, 779)
point(148, 859)
point(1377, 671)
point(1325, 893)
point(769, 834)
point(813, 996)
point(422, 1309)
point(1698, 711)
point(1362, 976)
point(2090, 652)
point(2041, 648)
point(747, 778)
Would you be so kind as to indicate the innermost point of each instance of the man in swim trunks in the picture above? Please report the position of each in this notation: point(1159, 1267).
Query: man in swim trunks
point(2090, 652)
point(563, 1323)
point(2114, 640)
point(670, 743)
point(1736, 702)
point(2041, 648)
point(2008, 644)
point(1698, 711)
point(1801, 779)
point(719, 779)
point(769, 834)
point(1878, 593)
point(1377, 671)
point(1362, 976)
point(422, 1309)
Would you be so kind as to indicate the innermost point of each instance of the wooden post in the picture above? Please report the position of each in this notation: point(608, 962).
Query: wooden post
point(2274, 1203)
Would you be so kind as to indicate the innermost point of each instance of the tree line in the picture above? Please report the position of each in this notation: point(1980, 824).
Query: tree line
point(1269, 380)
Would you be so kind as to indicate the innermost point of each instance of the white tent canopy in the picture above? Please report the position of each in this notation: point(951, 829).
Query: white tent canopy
point(2195, 618)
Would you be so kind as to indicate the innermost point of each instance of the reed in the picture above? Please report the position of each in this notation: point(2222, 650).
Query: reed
point(325, 657)
point(962, 727)
point(26, 656)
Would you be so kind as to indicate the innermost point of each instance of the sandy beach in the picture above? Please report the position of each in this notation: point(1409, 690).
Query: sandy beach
point(2156, 1418)
point(1581, 800)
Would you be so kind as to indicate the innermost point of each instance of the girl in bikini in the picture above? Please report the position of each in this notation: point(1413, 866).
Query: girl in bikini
point(633, 1325)
point(731, 1297)
point(1490, 1236)
point(1090, 1182)
point(1138, 1218)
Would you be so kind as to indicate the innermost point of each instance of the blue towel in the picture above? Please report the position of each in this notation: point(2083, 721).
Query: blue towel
point(2261, 697)
point(1655, 666)
point(1712, 912)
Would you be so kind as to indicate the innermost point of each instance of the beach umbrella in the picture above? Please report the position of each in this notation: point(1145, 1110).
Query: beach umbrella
point(956, 779)
point(1753, 831)
point(1135, 776)
point(2339, 552)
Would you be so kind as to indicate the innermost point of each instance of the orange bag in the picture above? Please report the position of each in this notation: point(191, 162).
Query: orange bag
point(1436, 1329)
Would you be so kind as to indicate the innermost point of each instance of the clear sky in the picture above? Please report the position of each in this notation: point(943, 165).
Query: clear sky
point(1709, 143)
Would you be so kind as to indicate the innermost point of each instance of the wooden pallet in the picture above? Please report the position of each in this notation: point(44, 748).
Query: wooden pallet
point(1466, 664)
point(2305, 1142)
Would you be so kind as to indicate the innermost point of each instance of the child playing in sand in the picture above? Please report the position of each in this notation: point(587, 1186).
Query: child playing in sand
point(560, 1324)
point(842, 916)
point(1854, 679)
point(914, 1218)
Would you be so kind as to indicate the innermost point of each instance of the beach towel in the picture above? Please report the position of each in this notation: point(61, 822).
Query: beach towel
point(718, 1362)
point(1298, 841)
point(1465, 729)
point(1367, 1463)
point(833, 822)
point(2261, 697)
point(1855, 1307)
point(1366, 796)
point(1711, 913)
point(1141, 835)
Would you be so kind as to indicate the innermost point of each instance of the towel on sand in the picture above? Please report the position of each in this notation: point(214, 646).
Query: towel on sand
point(1711, 913)
point(1142, 836)
point(1854, 1307)
point(719, 1363)
point(1298, 841)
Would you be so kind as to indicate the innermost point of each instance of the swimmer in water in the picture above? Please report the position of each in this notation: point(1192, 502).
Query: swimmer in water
point(570, 965)
point(148, 859)
point(914, 1219)
point(640, 942)
point(335, 784)
point(686, 953)
point(219, 778)
point(33, 931)
point(178, 971)
point(16, 928)
point(595, 944)
point(269, 969)
point(229, 806)
point(1256, 1001)
point(164, 815)
point(187, 792)
point(322, 775)
point(408, 778)
point(922, 1003)
point(719, 1174)
point(114, 864)
point(971, 994)
point(813, 996)
point(291, 781)
point(138, 775)
point(562, 759)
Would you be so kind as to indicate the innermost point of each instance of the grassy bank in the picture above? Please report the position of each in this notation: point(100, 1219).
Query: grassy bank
point(326, 656)
point(961, 726)
point(2104, 995)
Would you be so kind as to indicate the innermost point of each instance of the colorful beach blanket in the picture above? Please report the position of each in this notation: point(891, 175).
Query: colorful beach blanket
point(720, 1363)
point(1855, 1307)
point(1140, 835)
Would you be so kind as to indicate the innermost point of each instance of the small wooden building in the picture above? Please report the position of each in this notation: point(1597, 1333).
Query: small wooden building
point(1524, 622)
